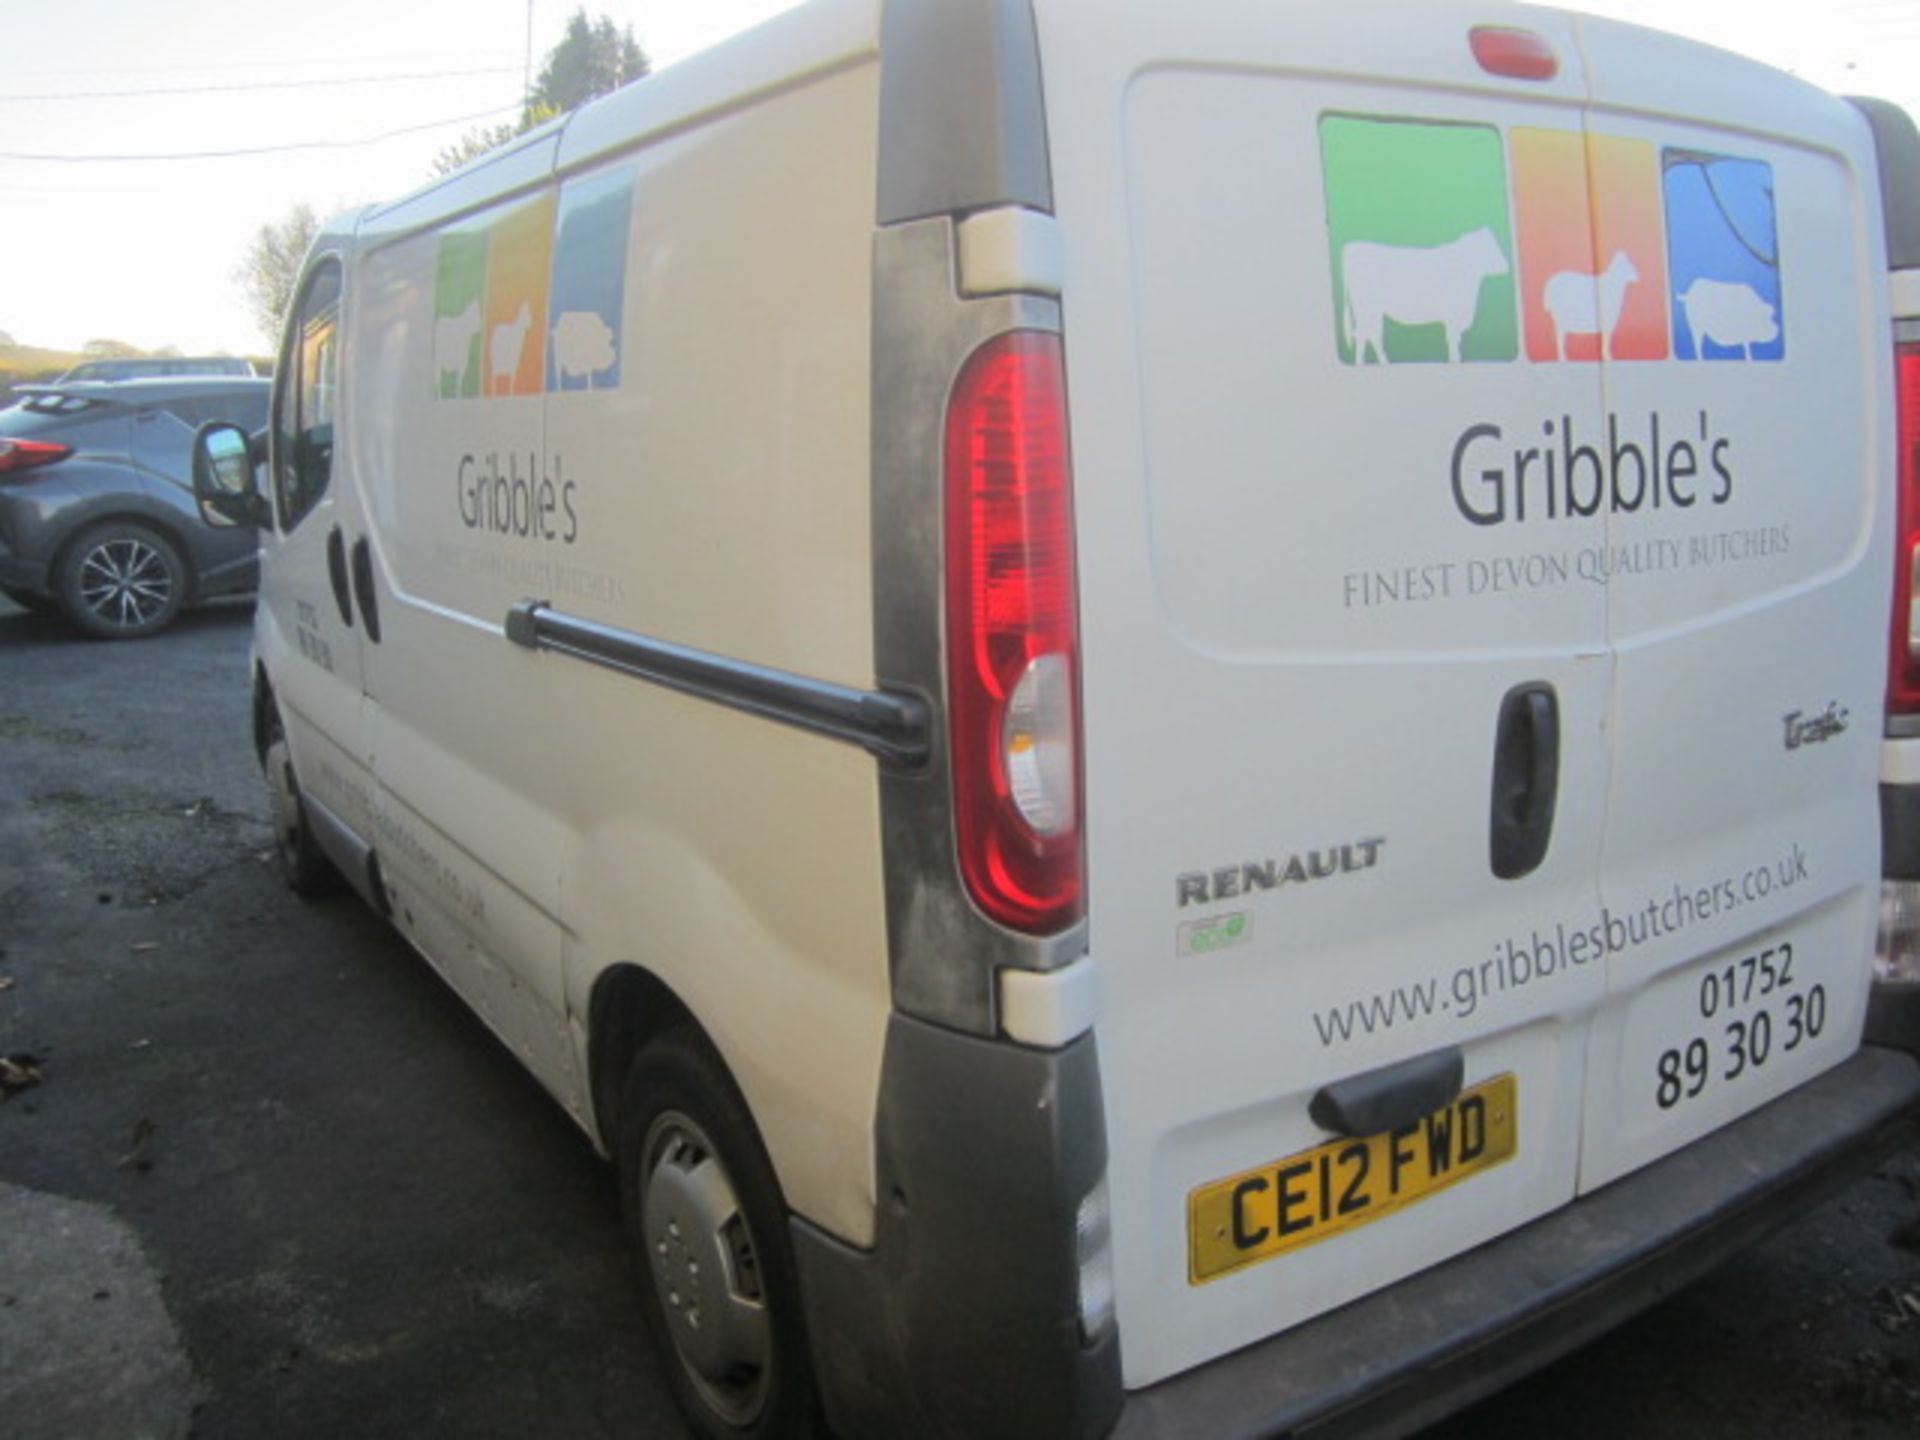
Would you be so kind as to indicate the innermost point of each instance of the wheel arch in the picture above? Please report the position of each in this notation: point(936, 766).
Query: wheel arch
point(628, 1009)
point(264, 715)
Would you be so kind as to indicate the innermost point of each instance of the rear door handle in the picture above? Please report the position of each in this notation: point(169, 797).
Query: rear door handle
point(363, 589)
point(1526, 779)
point(337, 573)
point(1389, 1098)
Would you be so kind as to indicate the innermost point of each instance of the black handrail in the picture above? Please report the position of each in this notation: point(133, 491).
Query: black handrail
point(892, 726)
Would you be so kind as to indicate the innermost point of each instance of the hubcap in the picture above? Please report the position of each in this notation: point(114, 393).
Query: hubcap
point(705, 1269)
point(125, 583)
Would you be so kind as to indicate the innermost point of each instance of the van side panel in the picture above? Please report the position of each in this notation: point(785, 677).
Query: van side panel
point(636, 390)
point(737, 859)
point(467, 839)
point(699, 480)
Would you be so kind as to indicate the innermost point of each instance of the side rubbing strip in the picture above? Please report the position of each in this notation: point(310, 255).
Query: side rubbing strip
point(892, 727)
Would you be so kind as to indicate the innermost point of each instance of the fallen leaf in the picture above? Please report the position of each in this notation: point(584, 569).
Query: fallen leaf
point(136, 1156)
point(17, 1073)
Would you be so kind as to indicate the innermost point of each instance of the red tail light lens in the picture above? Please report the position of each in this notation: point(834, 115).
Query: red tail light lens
point(19, 455)
point(1903, 687)
point(1013, 634)
point(1516, 54)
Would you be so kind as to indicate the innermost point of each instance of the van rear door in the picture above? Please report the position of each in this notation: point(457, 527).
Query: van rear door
point(1347, 692)
point(1748, 449)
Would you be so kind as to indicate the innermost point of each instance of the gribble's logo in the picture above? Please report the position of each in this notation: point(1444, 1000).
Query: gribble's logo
point(528, 300)
point(528, 297)
point(1458, 243)
point(1455, 243)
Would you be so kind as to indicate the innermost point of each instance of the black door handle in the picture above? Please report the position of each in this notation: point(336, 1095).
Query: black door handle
point(1526, 779)
point(337, 573)
point(363, 589)
point(1386, 1099)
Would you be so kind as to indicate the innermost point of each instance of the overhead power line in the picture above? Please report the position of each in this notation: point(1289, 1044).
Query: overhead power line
point(262, 85)
point(264, 149)
point(202, 67)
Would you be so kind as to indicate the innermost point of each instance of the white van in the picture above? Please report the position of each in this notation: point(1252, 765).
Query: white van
point(1168, 714)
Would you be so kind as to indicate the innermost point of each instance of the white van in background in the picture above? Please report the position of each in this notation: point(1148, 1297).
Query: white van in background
point(1167, 714)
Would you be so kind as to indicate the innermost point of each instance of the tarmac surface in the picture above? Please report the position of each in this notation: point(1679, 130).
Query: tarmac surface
point(263, 1175)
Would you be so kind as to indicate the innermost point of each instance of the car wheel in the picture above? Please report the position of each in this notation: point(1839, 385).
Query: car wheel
point(705, 1215)
point(122, 581)
point(303, 865)
point(30, 600)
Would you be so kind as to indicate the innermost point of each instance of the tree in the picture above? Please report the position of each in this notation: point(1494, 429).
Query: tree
point(272, 265)
point(471, 146)
point(592, 59)
point(478, 141)
point(589, 61)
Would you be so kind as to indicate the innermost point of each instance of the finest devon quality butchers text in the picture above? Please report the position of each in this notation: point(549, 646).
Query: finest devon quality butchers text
point(1655, 467)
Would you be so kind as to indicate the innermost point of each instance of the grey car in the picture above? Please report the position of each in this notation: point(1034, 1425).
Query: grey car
point(151, 367)
point(97, 515)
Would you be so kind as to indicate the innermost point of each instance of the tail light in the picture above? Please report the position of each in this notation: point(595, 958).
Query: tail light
point(19, 455)
point(1013, 635)
point(1903, 687)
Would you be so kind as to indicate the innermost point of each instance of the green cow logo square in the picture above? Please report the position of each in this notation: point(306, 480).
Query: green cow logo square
point(459, 297)
point(1420, 241)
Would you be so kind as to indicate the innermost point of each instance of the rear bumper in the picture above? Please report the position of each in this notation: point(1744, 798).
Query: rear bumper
point(1900, 826)
point(1405, 1356)
point(1893, 1015)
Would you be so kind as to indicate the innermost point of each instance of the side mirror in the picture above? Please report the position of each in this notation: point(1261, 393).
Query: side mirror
point(223, 476)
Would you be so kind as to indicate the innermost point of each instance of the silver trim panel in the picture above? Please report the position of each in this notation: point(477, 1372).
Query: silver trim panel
point(962, 123)
point(1896, 146)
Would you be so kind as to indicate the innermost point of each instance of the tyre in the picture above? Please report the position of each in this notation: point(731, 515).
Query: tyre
point(121, 581)
point(303, 865)
point(704, 1213)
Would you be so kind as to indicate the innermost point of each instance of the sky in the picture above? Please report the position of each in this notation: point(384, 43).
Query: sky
point(144, 250)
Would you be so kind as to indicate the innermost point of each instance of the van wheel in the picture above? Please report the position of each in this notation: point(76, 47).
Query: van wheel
point(121, 581)
point(704, 1213)
point(303, 865)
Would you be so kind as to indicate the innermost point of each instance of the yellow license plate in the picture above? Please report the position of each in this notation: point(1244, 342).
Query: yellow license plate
point(1264, 1212)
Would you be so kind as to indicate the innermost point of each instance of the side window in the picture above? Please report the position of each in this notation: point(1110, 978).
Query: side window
point(249, 410)
point(303, 401)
